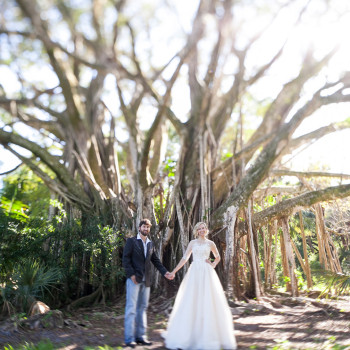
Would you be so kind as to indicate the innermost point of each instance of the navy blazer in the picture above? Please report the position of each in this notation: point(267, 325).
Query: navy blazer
point(135, 263)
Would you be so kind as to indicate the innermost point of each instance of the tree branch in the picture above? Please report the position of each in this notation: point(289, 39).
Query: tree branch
point(12, 170)
point(51, 183)
point(52, 162)
point(281, 106)
point(289, 206)
point(282, 172)
point(316, 134)
point(29, 8)
point(259, 170)
point(273, 190)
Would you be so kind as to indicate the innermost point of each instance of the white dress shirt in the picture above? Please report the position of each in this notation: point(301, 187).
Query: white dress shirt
point(144, 243)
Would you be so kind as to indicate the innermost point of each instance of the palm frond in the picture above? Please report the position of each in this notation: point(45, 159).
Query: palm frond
point(32, 280)
point(337, 282)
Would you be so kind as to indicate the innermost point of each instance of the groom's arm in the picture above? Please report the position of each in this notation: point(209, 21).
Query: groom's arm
point(157, 263)
point(127, 254)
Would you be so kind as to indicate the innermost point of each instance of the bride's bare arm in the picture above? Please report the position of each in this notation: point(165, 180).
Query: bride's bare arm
point(184, 259)
point(216, 254)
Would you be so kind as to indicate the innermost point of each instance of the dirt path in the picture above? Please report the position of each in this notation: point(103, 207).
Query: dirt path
point(275, 323)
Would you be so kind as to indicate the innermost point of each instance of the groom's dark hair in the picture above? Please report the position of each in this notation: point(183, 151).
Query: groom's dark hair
point(145, 222)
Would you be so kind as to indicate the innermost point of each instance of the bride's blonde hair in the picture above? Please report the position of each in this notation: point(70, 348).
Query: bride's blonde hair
point(195, 228)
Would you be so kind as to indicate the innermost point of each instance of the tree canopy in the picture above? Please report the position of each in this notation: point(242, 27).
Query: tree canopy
point(180, 112)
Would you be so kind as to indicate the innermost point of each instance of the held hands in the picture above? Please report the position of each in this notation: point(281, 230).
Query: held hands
point(169, 275)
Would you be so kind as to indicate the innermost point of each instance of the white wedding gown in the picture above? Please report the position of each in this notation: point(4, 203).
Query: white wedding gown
point(201, 318)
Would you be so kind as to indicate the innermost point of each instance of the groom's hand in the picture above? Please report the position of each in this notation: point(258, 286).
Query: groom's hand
point(133, 278)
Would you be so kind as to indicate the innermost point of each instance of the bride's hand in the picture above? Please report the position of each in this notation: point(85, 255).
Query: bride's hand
point(209, 262)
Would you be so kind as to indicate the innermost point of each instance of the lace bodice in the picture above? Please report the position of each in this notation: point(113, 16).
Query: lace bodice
point(200, 250)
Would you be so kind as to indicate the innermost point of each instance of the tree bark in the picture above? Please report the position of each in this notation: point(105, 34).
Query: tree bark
point(290, 257)
point(253, 255)
point(231, 217)
point(306, 258)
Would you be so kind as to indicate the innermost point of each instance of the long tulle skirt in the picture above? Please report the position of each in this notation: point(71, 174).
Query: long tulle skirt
point(201, 318)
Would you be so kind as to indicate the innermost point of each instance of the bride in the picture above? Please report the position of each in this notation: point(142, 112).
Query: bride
point(201, 318)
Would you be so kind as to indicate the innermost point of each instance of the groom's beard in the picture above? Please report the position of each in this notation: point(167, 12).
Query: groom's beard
point(144, 233)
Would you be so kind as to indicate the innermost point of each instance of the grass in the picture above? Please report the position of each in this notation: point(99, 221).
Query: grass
point(330, 344)
point(42, 345)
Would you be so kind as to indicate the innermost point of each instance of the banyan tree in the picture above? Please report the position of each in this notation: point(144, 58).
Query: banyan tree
point(131, 109)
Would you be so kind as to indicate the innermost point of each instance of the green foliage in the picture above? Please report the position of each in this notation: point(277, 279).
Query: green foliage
point(30, 281)
point(14, 208)
point(282, 344)
point(302, 283)
point(81, 248)
point(19, 241)
point(73, 240)
point(24, 194)
point(322, 280)
point(270, 200)
point(344, 258)
point(104, 347)
point(24, 203)
point(42, 345)
point(170, 168)
point(309, 225)
point(5, 300)
point(337, 282)
point(226, 155)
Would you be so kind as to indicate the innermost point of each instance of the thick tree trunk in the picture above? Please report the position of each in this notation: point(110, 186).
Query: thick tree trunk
point(328, 257)
point(273, 275)
point(268, 255)
point(243, 262)
point(290, 257)
point(286, 272)
point(306, 258)
point(237, 268)
point(254, 255)
point(230, 218)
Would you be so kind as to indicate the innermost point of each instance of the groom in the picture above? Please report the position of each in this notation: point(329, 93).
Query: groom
point(138, 254)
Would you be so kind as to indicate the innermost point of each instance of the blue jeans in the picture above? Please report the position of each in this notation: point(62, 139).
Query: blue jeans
point(135, 323)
